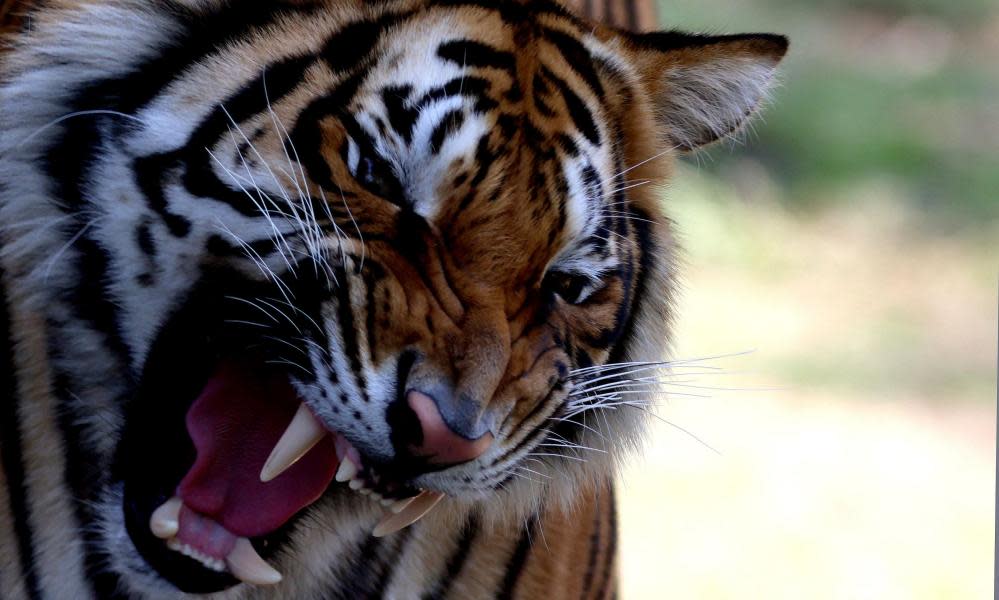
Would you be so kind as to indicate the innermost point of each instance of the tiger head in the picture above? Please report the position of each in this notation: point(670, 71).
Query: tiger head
point(407, 246)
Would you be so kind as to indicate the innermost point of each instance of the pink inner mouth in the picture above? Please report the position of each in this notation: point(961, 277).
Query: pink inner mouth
point(235, 423)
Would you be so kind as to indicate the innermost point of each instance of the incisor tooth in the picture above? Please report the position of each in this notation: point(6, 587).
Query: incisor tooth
point(302, 434)
point(246, 565)
point(413, 512)
point(347, 470)
point(165, 520)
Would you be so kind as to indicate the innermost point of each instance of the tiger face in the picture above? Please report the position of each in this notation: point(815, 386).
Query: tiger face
point(317, 251)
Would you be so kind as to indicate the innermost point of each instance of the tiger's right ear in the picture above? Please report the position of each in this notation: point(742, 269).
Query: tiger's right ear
point(704, 87)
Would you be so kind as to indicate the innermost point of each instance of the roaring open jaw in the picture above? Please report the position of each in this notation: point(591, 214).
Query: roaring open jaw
point(206, 540)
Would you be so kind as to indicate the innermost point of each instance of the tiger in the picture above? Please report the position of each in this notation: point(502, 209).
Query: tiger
point(338, 299)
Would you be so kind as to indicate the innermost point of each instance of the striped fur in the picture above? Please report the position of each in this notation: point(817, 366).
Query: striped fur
point(441, 194)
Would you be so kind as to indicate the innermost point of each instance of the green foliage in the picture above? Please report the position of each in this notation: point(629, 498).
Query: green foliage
point(901, 93)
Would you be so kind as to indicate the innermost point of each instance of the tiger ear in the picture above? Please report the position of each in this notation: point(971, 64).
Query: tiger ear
point(703, 88)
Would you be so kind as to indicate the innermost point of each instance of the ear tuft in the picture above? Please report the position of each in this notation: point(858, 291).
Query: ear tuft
point(705, 87)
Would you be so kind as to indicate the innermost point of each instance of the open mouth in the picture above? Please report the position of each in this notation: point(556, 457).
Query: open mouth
point(221, 456)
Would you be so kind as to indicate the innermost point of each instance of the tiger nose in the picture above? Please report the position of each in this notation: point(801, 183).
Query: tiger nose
point(440, 444)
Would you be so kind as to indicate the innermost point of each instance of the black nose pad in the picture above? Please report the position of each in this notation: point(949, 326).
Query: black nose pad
point(442, 444)
point(421, 430)
point(405, 429)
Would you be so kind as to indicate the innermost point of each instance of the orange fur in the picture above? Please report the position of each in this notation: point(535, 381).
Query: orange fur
point(466, 284)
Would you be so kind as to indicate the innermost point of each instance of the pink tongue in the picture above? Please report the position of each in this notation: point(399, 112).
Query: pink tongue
point(234, 424)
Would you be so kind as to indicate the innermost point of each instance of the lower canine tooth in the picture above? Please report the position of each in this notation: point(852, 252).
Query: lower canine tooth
point(396, 506)
point(356, 484)
point(165, 520)
point(411, 513)
point(246, 565)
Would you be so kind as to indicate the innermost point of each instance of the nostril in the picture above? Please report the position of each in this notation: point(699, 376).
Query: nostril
point(440, 444)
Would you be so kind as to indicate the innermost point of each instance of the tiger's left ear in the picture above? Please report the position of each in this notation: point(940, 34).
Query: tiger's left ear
point(705, 87)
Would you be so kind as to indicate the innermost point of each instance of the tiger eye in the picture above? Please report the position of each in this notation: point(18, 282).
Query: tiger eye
point(567, 286)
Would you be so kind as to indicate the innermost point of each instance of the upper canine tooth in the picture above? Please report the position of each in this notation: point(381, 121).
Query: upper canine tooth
point(302, 434)
point(347, 470)
point(165, 520)
point(246, 565)
point(412, 513)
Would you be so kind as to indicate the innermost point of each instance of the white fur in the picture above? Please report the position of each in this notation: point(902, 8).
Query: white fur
point(708, 102)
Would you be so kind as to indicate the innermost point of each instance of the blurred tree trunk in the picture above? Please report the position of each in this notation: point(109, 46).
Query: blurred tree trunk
point(634, 15)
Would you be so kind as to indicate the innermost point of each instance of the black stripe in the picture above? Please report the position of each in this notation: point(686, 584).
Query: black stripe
point(85, 472)
point(346, 323)
point(10, 449)
point(665, 41)
point(515, 566)
point(350, 585)
point(455, 562)
point(515, 13)
point(370, 318)
point(307, 134)
point(607, 575)
point(468, 53)
point(350, 46)
point(203, 35)
point(450, 124)
point(540, 92)
point(538, 431)
point(221, 247)
point(595, 540)
point(578, 58)
point(389, 561)
point(68, 161)
point(646, 248)
point(379, 556)
point(144, 238)
point(200, 178)
point(401, 117)
point(469, 87)
point(580, 114)
point(342, 52)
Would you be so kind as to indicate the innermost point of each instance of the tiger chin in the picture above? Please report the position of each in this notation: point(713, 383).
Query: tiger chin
point(336, 299)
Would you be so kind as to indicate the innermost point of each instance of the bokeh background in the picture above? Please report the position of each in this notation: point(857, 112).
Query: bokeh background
point(842, 264)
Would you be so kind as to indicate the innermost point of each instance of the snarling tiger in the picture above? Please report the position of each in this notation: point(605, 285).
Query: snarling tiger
point(336, 299)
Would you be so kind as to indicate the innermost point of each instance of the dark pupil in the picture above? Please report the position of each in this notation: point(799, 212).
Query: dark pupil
point(379, 179)
point(568, 286)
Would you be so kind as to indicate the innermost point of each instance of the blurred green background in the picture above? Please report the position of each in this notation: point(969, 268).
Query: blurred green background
point(842, 260)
